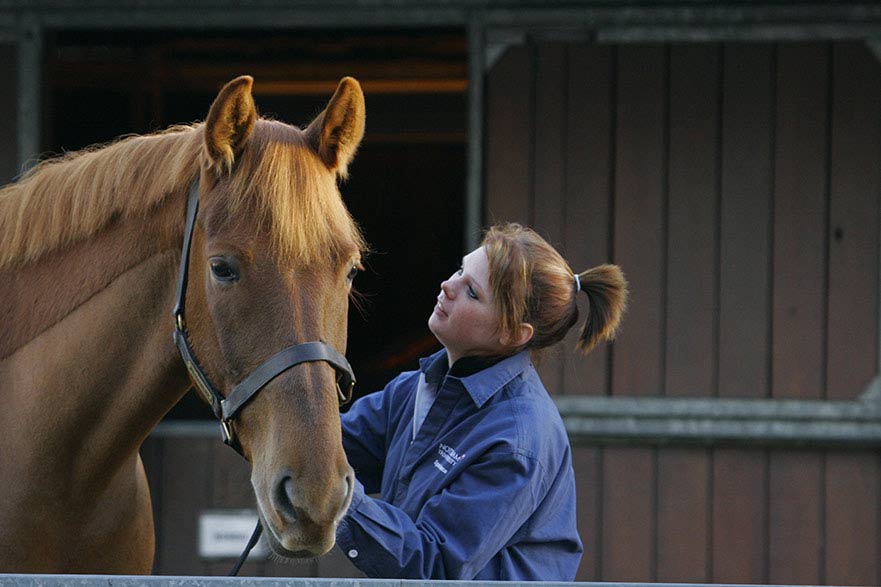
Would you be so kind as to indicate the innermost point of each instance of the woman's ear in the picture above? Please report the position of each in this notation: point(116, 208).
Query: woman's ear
point(522, 335)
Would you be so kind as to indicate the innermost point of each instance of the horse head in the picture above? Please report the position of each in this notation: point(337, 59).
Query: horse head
point(273, 255)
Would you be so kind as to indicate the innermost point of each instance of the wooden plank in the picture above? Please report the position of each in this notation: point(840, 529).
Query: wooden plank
point(745, 220)
point(683, 515)
point(551, 138)
point(800, 179)
point(587, 462)
point(740, 516)
point(691, 338)
point(639, 242)
point(853, 518)
point(587, 229)
point(692, 221)
point(799, 300)
point(628, 538)
point(509, 88)
point(855, 184)
point(549, 195)
point(795, 548)
point(739, 492)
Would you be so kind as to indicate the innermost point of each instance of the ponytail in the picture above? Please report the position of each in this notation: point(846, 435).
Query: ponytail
point(606, 291)
point(533, 284)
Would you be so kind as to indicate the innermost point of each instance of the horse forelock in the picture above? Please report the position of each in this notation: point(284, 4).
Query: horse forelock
point(69, 198)
point(280, 180)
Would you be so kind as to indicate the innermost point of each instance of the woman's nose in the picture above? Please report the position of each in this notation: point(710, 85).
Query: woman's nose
point(447, 288)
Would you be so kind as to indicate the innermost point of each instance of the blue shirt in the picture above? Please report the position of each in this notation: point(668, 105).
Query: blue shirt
point(485, 490)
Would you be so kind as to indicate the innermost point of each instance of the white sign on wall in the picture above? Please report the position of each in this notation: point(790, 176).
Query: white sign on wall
point(225, 533)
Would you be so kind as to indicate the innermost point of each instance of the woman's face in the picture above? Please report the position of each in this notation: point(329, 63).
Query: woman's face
point(464, 318)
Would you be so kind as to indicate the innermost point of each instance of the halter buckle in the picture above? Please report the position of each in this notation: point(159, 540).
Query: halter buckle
point(345, 397)
point(227, 432)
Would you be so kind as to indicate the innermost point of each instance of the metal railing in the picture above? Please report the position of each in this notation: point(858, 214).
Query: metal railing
point(194, 581)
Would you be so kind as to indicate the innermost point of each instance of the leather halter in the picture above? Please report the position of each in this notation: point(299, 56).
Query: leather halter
point(226, 408)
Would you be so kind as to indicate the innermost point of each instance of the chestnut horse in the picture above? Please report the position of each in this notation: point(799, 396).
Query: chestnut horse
point(90, 247)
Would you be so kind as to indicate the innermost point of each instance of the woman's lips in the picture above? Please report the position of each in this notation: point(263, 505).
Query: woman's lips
point(440, 309)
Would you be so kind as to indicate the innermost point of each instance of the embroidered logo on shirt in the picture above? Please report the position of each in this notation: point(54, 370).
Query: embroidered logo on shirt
point(448, 455)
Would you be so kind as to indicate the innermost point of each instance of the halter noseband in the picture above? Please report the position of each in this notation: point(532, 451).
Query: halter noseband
point(226, 409)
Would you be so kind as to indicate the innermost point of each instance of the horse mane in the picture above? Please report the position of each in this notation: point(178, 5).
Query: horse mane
point(69, 198)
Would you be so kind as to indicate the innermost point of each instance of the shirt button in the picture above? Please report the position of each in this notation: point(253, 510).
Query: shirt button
point(353, 553)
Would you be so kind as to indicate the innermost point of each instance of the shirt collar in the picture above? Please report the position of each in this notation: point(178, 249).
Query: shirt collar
point(481, 385)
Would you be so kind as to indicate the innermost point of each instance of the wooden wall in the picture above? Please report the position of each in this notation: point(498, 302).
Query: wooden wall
point(738, 187)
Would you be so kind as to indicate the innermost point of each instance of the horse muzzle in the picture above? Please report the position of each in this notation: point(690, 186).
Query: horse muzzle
point(298, 524)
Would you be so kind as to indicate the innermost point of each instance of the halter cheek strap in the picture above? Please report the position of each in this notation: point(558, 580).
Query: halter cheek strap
point(226, 409)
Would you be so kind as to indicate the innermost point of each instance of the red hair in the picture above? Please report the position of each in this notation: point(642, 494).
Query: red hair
point(533, 284)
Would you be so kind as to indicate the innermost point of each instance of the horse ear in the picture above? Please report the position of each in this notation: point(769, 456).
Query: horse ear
point(230, 122)
point(336, 133)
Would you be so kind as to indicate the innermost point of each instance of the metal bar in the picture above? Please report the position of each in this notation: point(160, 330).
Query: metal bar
point(8, 28)
point(639, 32)
point(474, 181)
point(192, 581)
point(746, 32)
point(694, 15)
point(30, 79)
point(237, 17)
point(632, 21)
point(719, 421)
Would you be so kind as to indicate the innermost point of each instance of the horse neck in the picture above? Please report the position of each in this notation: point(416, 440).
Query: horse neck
point(89, 366)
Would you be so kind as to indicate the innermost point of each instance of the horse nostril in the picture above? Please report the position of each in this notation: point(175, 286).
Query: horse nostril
point(348, 490)
point(283, 498)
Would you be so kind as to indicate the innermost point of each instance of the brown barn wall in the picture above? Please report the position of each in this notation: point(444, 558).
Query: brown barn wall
point(738, 186)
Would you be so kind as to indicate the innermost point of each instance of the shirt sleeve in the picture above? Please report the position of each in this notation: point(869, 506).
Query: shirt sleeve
point(457, 531)
point(365, 428)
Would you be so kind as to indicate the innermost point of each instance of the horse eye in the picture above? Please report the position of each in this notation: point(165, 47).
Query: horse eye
point(352, 273)
point(223, 271)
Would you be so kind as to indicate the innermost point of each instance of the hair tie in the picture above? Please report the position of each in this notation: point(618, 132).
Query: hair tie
point(577, 283)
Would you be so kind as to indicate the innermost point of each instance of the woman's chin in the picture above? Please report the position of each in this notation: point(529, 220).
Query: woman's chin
point(433, 322)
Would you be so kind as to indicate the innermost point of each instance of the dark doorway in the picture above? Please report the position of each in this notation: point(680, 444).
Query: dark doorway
point(406, 186)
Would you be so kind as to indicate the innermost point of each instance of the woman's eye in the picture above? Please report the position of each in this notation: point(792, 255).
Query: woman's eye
point(223, 271)
point(471, 293)
point(460, 270)
point(352, 273)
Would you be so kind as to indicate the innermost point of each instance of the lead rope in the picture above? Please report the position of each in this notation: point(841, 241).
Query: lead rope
point(252, 542)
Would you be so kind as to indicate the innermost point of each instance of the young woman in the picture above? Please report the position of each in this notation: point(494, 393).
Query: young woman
point(469, 454)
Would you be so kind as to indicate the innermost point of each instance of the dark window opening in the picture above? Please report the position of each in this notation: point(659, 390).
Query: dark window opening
point(406, 185)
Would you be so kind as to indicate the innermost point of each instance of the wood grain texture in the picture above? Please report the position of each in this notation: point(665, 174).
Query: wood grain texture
point(640, 210)
point(800, 180)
